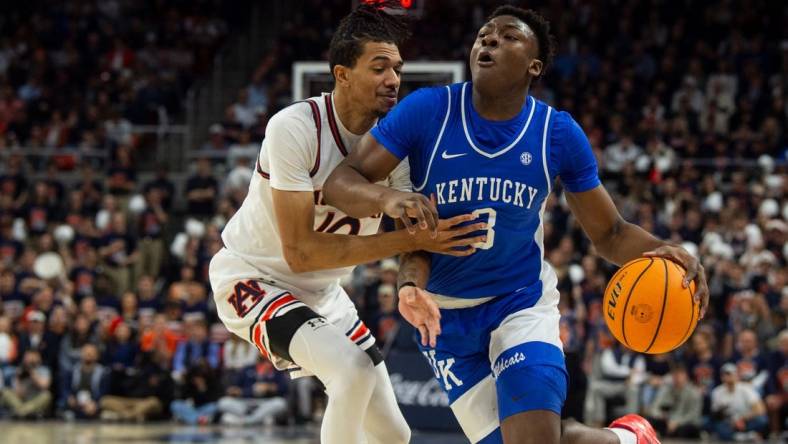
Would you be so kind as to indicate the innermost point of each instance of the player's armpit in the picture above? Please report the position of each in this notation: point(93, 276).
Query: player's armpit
point(351, 186)
point(372, 159)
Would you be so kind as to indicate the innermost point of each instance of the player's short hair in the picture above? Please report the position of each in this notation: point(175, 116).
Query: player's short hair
point(538, 24)
point(367, 23)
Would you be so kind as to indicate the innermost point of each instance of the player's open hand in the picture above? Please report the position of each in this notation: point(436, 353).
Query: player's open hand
point(695, 272)
point(404, 206)
point(452, 238)
point(418, 308)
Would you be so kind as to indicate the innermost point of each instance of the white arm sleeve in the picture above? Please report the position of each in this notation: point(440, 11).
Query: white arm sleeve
point(399, 179)
point(291, 146)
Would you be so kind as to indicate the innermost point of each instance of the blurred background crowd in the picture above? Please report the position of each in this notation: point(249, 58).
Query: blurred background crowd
point(684, 104)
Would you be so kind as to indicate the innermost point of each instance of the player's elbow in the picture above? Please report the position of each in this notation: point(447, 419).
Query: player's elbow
point(297, 259)
point(605, 243)
point(333, 186)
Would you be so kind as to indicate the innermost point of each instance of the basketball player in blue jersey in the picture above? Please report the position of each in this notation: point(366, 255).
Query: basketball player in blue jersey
point(489, 148)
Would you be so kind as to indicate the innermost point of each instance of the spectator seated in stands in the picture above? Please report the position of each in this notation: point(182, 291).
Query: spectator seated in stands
point(737, 409)
point(143, 394)
point(149, 302)
point(257, 396)
point(703, 365)
point(677, 408)
point(152, 222)
point(120, 353)
point(237, 184)
point(216, 140)
point(81, 333)
point(85, 386)
point(195, 350)
point(201, 191)
point(7, 344)
point(197, 398)
point(385, 324)
point(656, 374)
point(120, 253)
point(160, 337)
point(29, 395)
point(14, 301)
point(752, 365)
point(777, 388)
point(33, 337)
point(191, 294)
point(615, 379)
point(237, 356)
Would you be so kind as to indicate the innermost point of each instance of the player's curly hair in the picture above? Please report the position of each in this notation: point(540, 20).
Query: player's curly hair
point(367, 23)
point(538, 24)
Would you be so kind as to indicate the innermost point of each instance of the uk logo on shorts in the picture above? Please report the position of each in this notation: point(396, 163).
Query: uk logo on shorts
point(442, 369)
point(503, 363)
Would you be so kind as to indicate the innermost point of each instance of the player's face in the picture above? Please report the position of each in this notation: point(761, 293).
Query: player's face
point(505, 51)
point(373, 83)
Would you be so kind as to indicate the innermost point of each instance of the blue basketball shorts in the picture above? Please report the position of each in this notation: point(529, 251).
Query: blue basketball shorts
point(498, 359)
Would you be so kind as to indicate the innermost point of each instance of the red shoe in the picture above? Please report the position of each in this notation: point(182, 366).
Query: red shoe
point(638, 425)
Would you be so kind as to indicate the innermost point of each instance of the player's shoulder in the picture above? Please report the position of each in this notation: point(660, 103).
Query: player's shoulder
point(298, 113)
point(561, 121)
point(556, 115)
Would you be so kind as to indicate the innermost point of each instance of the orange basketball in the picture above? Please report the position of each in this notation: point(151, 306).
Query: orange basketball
point(647, 309)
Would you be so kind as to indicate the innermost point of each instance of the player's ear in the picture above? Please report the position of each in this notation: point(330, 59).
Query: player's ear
point(342, 75)
point(535, 68)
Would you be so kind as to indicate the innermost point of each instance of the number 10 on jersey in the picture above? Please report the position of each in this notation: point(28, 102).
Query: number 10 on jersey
point(486, 245)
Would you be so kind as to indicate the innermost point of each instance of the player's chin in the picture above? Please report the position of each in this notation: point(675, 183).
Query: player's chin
point(482, 73)
point(385, 104)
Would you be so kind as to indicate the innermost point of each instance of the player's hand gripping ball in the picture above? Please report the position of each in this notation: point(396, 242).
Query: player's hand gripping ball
point(646, 307)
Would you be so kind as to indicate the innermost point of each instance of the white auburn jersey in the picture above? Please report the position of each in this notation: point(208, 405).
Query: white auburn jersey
point(303, 144)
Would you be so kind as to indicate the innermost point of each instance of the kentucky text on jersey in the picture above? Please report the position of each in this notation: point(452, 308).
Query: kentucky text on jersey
point(485, 189)
point(502, 171)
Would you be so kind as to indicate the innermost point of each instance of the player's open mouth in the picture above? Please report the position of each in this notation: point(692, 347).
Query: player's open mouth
point(485, 59)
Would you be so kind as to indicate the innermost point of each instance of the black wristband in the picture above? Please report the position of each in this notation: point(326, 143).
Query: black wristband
point(407, 284)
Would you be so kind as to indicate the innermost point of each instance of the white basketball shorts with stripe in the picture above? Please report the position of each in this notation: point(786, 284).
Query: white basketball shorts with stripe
point(246, 298)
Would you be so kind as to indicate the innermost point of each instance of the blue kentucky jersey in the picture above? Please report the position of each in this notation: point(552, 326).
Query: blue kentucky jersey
point(502, 171)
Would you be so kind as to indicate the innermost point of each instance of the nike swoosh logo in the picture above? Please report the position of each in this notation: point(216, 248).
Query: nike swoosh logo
point(446, 155)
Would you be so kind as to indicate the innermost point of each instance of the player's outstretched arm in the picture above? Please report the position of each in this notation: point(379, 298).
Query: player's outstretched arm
point(351, 188)
point(308, 250)
point(620, 241)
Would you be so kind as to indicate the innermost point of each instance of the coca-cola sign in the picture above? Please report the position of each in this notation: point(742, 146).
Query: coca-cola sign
point(420, 396)
point(422, 393)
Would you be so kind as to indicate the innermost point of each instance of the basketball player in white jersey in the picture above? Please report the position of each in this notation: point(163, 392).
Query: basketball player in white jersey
point(276, 282)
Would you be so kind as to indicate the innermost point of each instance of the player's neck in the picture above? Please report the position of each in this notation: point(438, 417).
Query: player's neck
point(498, 104)
point(356, 121)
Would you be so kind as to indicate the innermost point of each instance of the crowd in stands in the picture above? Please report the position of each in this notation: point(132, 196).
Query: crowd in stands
point(684, 105)
point(78, 74)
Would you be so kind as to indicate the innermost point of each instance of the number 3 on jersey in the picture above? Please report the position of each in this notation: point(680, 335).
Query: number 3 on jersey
point(490, 224)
